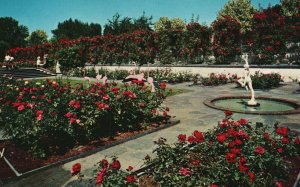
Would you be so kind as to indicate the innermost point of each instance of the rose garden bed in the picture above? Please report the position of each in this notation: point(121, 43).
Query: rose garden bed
point(53, 121)
point(235, 153)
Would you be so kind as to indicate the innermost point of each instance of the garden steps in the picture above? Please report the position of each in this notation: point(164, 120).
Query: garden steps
point(26, 73)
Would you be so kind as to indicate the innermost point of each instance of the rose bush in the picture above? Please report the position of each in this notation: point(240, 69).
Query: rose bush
point(49, 117)
point(217, 79)
point(235, 153)
point(265, 81)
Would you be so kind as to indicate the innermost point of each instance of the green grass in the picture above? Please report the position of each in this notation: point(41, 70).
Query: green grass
point(177, 91)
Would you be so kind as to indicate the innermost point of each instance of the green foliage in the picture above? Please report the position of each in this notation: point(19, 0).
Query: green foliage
point(164, 23)
point(118, 25)
point(73, 29)
point(265, 81)
point(11, 35)
point(241, 10)
point(289, 7)
point(37, 37)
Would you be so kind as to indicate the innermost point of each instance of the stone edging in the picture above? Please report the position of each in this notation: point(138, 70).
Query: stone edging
point(210, 103)
point(31, 172)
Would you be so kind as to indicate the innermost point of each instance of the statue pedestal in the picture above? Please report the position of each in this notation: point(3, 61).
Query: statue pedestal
point(252, 103)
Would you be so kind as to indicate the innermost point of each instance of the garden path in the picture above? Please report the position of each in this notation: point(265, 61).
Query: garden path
point(192, 113)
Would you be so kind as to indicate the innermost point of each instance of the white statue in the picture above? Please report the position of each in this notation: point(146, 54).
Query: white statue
point(39, 62)
point(8, 58)
point(57, 68)
point(247, 82)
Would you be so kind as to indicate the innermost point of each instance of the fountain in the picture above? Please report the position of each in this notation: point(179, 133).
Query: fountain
point(247, 82)
point(256, 105)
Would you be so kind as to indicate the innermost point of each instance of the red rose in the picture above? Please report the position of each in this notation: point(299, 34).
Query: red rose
point(130, 179)
point(285, 140)
point(230, 157)
point(130, 168)
point(115, 165)
point(235, 151)
point(282, 131)
point(243, 121)
point(278, 184)
point(191, 139)
point(227, 113)
point(69, 114)
point(185, 171)
point(199, 136)
point(76, 169)
point(243, 165)
point(181, 137)
point(214, 185)
point(164, 114)
point(104, 163)
point(100, 176)
point(266, 136)
point(195, 162)
point(280, 150)
point(21, 107)
point(162, 86)
point(297, 141)
point(251, 176)
point(221, 137)
point(238, 142)
point(260, 150)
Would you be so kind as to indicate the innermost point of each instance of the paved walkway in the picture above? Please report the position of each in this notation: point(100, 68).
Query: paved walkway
point(187, 107)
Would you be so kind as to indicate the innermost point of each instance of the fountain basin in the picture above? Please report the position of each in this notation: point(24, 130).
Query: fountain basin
point(268, 105)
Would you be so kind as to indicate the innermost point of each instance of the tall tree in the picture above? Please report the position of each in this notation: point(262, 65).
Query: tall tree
point(143, 22)
point(289, 7)
point(118, 25)
point(240, 10)
point(164, 23)
point(11, 34)
point(73, 29)
point(37, 37)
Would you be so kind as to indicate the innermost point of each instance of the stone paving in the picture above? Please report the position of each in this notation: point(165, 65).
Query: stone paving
point(192, 113)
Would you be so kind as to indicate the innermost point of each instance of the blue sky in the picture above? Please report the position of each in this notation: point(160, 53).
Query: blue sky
point(45, 14)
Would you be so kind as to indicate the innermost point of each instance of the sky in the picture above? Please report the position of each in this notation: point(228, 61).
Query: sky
point(46, 14)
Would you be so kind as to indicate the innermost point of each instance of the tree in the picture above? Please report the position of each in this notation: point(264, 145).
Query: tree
point(37, 37)
point(143, 22)
point(226, 39)
point(241, 10)
point(289, 7)
point(117, 26)
point(164, 23)
point(11, 34)
point(73, 29)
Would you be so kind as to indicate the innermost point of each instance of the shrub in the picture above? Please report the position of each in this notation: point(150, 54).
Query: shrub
point(217, 79)
point(48, 117)
point(265, 81)
point(235, 153)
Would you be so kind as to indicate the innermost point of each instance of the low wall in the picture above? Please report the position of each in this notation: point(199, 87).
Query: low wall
point(289, 73)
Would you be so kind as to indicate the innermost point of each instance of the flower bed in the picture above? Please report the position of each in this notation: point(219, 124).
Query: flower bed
point(50, 118)
point(215, 79)
point(166, 75)
point(265, 81)
point(235, 153)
